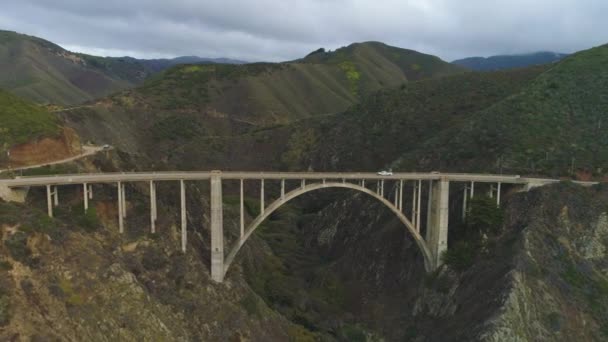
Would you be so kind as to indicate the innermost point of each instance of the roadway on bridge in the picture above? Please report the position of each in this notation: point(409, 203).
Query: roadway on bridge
point(233, 175)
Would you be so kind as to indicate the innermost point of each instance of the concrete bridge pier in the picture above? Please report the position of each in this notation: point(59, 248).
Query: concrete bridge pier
point(217, 228)
point(153, 212)
point(121, 227)
point(242, 214)
point(85, 196)
point(437, 230)
point(182, 186)
point(56, 196)
point(49, 201)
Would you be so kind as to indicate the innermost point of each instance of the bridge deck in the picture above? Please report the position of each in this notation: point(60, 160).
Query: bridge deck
point(235, 175)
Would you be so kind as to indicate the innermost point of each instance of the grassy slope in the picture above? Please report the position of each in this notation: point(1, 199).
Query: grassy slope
point(271, 93)
point(393, 121)
point(228, 100)
point(21, 121)
point(44, 72)
point(556, 121)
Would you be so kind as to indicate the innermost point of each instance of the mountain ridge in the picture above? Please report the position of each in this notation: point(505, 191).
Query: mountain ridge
point(504, 62)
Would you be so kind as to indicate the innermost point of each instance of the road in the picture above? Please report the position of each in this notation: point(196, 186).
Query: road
point(87, 151)
point(233, 175)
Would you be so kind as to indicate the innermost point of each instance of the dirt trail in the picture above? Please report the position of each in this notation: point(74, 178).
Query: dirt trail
point(87, 151)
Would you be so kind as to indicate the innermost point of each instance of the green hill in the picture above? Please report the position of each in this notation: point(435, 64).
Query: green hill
point(504, 62)
point(270, 93)
point(46, 73)
point(21, 121)
point(193, 101)
point(555, 125)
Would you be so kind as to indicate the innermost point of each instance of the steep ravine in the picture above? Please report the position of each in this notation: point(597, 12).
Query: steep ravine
point(541, 278)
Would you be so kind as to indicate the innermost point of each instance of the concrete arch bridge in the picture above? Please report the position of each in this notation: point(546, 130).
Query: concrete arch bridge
point(390, 190)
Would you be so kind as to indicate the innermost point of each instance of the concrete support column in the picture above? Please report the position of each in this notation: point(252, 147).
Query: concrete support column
point(56, 196)
point(85, 196)
point(182, 187)
point(302, 183)
point(498, 194)
point(262, 196)
point(91, 191)
point(363, 183)
point(382, 188)
point(242, 207)
point(282, 189)
point(124, 200)
point(49, 201)
point(414, 205)
point(396, 197)
point(472, 189)
point(217, 228)
point(401, 195)
point(418, 207)
point(465, 196)
point(429, 209)
point(438, 228)
point(121, 228)
point(152, 207)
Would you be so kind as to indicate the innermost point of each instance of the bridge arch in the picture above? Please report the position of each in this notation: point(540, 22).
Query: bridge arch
point(426, 253)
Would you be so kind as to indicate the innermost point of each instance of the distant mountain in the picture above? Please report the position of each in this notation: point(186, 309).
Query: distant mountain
point(44, 72)
point(503, 62)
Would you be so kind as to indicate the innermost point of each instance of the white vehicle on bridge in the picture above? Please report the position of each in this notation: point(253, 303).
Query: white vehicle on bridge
point(385, 173)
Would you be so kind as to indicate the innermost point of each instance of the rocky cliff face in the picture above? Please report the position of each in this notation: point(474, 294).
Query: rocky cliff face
point(47, 149)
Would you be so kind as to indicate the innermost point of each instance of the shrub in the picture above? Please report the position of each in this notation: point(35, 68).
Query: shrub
point(460, 256)
point(153, 259)
point(89, 220)
point(17, 246)
point(5, 313)
point(483, 216)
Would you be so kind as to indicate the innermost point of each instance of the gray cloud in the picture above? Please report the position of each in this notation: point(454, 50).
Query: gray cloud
point(276, 30)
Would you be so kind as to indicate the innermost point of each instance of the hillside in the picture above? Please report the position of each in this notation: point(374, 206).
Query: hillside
point(158, 65)
point(21, 121)
point(554, 126)
point(193, 102)
point(503, 62)
point(44, 72)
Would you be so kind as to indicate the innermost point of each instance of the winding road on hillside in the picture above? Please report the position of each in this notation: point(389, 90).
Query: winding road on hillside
point(86, 151)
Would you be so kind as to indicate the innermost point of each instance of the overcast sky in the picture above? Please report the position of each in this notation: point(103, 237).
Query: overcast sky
point(277, 30)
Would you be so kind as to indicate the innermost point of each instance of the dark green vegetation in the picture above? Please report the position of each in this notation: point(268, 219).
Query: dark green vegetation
point(21, 121)
point(553, 126)
point(390, 122)
point(504, 62)
point(476, 235)
point(542, 120)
